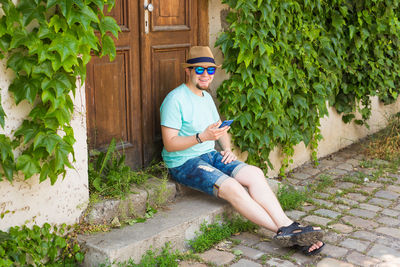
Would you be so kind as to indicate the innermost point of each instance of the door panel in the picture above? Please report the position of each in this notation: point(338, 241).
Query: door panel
point(173, 29)
point(113, 90)
point(124, 96)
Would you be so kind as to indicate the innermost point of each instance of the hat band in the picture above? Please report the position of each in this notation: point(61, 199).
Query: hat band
point(200, 60)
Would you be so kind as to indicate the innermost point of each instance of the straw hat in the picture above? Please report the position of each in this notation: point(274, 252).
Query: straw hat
point(200, 56)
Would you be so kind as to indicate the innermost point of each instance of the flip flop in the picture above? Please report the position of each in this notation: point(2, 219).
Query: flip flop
point(305, 249)
point(296, 234)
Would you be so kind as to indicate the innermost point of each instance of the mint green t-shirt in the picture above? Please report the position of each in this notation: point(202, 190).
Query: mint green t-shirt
point(190, 114)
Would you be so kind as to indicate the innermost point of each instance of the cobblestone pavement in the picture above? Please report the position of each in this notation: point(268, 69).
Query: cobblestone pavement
point(359, 211)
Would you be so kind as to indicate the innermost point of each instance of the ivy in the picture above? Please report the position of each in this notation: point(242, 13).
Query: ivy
point(48, 43)
point(288, 59)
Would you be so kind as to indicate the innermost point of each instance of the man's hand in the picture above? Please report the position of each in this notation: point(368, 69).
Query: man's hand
point(213, 132)
point(228, 156)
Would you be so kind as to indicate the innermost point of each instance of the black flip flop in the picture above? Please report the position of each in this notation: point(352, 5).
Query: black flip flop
point(296, 234)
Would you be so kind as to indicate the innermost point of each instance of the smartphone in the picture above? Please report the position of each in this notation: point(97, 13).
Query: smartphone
point(226, 123)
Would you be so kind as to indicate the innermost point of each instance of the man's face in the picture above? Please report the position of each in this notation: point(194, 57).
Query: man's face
point(201, 81)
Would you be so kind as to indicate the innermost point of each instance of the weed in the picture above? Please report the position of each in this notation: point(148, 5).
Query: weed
point(290, 198)
point(109, 176)
point(213, 233)
point(152, 258)
point(386, 143)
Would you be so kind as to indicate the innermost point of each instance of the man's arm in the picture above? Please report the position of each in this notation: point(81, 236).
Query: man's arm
point(173, 142)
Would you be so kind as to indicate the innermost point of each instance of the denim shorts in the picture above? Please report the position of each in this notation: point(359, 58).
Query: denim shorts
point(206, 172)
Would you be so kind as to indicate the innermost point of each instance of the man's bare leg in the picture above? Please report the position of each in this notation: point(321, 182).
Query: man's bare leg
point(253, 178)
point(233, 192)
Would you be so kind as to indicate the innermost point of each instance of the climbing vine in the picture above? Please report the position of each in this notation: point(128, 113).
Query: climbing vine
point(47, 44)
point(288, 59)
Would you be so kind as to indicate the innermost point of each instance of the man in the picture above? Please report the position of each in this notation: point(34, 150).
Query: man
point(190, 126)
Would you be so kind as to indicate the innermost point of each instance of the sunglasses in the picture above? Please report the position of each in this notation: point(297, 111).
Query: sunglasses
point(200, 70)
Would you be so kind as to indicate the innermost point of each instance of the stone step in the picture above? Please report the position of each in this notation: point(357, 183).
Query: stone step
point(177, 223)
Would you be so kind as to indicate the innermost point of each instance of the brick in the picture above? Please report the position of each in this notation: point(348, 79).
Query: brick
point(356, 196)
point(394, 232)
point(251, 253)
point(361, 259)
point(380, 202)
point(373, 184)
point(353, 162)
point(367, 189)
point(323, 202)
point(280, 263)
point(316, 220)
point(387, 194)
point(217, 257)
point(334, 251)
point(348, 201)
point(388, 242)
point(394, 188)
point(342, 228)
point(362, 213)
point(332, 237)
point(358, 245)
point(370, 207)
point(358, 222)
point(247, 238)
point(300, 176)
point(328, 262)
point(311, 171)
point(337, 172)
point(345, 166)
point(246, 263)
point(389, 221)
point(390, 212)
point(271, 247)
point(384, 253)
point(327, 213)
point(365, 235)
point(295, 214)
point(342, 207)
point(326, 164)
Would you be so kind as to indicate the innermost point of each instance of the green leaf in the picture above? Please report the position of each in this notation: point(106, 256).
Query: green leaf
point(28, 130)
point(2, 115)
point(60, 82)
point(30, 11)
point(108, 47)
point(47, 140)
point(27, 165)
point(58, 23)
point(24, 88)
point(65, 45)
point(5, 148)
point(84, 16)
point(108, 24)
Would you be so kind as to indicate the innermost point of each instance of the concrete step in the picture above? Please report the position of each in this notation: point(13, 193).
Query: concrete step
point(176, 224)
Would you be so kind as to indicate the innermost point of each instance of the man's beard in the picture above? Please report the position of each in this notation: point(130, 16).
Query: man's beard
point(201, 88)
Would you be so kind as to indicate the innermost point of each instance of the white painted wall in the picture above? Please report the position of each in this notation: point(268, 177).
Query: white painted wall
point(336, 133)
point(30, 202)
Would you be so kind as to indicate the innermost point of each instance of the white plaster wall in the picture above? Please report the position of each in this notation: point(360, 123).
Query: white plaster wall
point(30, 202)
point(336, 134)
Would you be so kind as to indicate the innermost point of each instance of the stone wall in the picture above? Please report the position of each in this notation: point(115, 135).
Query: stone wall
point(336, 134)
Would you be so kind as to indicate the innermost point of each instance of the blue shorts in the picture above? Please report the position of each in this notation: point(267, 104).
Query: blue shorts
point(206, 172)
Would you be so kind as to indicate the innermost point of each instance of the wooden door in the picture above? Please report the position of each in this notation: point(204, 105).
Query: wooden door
point(124, 96)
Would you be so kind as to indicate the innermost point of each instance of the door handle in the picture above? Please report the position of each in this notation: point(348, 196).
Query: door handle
point(148, 7)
